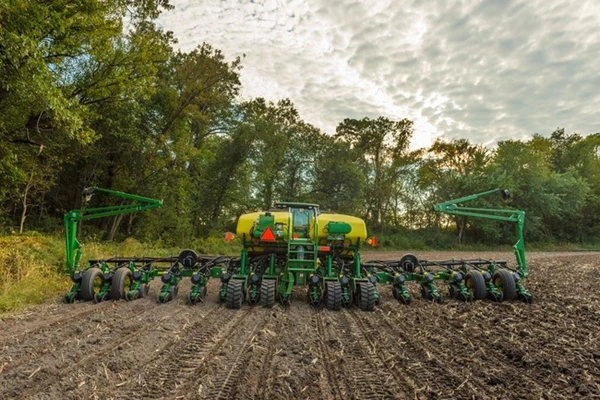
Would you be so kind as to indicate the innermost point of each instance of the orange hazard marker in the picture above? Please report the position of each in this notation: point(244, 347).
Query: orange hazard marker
point(268, 235)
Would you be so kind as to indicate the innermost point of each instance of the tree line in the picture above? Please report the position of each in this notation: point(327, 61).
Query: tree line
point(93, 93)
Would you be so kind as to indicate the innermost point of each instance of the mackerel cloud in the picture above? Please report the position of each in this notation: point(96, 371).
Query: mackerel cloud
point(485, 71)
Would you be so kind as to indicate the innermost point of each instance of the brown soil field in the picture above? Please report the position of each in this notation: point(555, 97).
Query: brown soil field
point(479, 350)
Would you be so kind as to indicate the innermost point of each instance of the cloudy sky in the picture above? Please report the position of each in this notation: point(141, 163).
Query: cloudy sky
point(485, 71)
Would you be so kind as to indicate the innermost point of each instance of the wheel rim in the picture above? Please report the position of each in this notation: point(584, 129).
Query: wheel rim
point(469, 285)
point(498, 283)
point(127, 283)
point(97, 283)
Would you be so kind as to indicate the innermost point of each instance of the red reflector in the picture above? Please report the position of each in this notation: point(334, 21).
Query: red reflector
point(374, 244)
point(324, 248)
point(295, 236)
point(268, 235)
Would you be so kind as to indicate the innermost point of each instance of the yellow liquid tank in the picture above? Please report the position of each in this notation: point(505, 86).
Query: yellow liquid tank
point(359, 229)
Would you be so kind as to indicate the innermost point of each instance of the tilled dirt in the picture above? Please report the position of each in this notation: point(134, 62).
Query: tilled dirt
point(145, 350)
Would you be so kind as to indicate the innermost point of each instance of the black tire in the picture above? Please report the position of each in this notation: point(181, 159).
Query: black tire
point(133, 296)
point(164, 299)
point(89, 278)
point(405, 300)
point(121, 282)
point(495, 298)
point(68, 299)
point(173, 292)
point(475, 284)
point(333, 296)
point(409, 262)
point(171, 295)
point(378, 300)
point(199, 297)
point(366, 296)
point(268, 287)
point(527, 299)
point(505, 283)
point(396, 293)
point(104, 297)
point(425, 293)
point(144, 289)
point(452, 291)
point(234, 295)
point(455, 293)
point(462, 297)
point(193, 299)
point(139, 294)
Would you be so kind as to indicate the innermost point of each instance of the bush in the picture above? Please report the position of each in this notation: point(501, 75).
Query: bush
point(30, 270)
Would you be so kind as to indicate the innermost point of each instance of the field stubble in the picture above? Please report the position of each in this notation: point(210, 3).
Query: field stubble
point(145, 350)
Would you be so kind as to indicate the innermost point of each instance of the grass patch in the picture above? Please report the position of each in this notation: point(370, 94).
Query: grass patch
point(32, 265)
point(30, 271)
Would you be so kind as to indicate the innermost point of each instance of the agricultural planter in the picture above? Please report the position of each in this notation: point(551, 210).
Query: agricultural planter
point(292, 245)
point(466, 279)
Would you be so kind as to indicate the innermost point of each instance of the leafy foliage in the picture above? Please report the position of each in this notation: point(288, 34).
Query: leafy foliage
point(92, 93)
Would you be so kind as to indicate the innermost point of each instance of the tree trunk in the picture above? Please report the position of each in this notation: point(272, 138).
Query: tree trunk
point(130, 224)
point(115, 226)
point(24, 202)
point(461, 223)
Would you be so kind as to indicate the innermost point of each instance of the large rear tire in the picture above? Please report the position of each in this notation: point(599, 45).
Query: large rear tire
point(234, 295)
point(505, 283)
point(366, 296)
point(121, 282)
point(268, 287)
point(91, 281)
point(333, 296)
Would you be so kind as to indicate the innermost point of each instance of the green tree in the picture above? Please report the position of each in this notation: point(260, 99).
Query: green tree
point(60, 63)
point(338, 182)
point(380, 146)
point(552, 200)
point(284, 151)
point(454, 169)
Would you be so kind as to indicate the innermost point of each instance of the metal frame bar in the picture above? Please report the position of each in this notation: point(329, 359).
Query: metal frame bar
point(452, 207)
point(72, 218)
